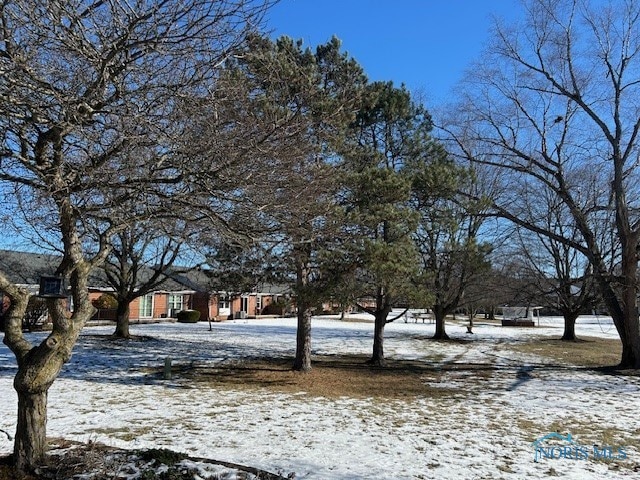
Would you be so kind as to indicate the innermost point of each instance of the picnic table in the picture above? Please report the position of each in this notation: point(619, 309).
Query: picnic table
point(420, 316)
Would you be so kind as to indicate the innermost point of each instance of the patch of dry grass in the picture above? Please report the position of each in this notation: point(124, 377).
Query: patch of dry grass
point(349, 376)
point(338, 376)
point(586, 352)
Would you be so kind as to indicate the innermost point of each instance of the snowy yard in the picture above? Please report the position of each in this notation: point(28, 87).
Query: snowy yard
point(481, 426)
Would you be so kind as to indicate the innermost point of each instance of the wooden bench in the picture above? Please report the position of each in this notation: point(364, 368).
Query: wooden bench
point(420, 316)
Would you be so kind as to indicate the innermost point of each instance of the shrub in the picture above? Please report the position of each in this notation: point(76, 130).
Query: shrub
point(188, 316)
point(276, 308)
point(105, 301)
point(36, 314)
point(162, 455)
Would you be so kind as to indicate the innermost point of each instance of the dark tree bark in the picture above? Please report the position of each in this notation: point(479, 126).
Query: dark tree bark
point(377, 357)
point(30, 446)
point(569, 334)
point(380, 314)
point(440, 316)
point(122, 319)
point(302, 362)
point(629, 298)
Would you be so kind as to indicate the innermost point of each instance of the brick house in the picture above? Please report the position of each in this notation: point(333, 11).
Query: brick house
point(219, 305)
point(183, 289)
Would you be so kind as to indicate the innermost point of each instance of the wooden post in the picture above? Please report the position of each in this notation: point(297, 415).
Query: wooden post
point(167, 368)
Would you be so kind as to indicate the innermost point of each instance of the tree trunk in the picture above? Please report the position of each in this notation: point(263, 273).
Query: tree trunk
point(39, 366)
point(302, 362)
point(569, 334)
point(440, 315)
point(624, 312)
point(631, 339)
point(377, 357)
point(122, 320)
point(629, 325)
point(30, 445)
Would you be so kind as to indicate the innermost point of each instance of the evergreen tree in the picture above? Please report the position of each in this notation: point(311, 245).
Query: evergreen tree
point(379, 218)
point(294, 105)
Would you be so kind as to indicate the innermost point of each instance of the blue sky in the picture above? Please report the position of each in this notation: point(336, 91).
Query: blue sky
point(427, 44)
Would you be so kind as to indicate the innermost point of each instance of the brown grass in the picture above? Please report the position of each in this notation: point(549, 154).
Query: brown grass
point(586, 352)
point(350, 376)
point(337, 376)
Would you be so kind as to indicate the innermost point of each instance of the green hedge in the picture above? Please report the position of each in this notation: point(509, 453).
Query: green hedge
point(188, 316)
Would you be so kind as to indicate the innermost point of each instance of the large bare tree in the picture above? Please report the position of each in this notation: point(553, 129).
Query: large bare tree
point(553, 97)
point(141, 258)
point(88, 90)
point(452, 256)
point(557, 275)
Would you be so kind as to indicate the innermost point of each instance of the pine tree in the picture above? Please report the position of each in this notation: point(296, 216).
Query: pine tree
point(379, 218)
point(294, 105)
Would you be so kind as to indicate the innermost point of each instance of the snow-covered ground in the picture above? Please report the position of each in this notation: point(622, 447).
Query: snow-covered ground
point(483, 427)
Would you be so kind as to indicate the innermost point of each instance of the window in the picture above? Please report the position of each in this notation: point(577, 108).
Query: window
point(146, 306)
point(258, 304)
point(176, 302)
point(223, 302)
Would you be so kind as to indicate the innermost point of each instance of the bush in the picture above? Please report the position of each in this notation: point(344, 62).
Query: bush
point(188, 316)
point(36, 314)
point(105, 301)
point(276, 308)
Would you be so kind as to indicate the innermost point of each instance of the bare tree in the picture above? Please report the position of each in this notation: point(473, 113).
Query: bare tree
point(554, 97)
point(141, 258)
point(558, 275)
point(85, 87)
point(447, 238)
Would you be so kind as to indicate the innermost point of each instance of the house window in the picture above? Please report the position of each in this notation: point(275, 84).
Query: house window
point(258, 304)
point(176, 302)
point(146, 306)
point(223, 302)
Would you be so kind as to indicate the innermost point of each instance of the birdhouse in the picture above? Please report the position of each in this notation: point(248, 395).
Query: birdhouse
point(51, 287)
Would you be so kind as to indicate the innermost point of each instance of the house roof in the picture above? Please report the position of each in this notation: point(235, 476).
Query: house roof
point(201, 281)
point(98, 279)
point(25, 268)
